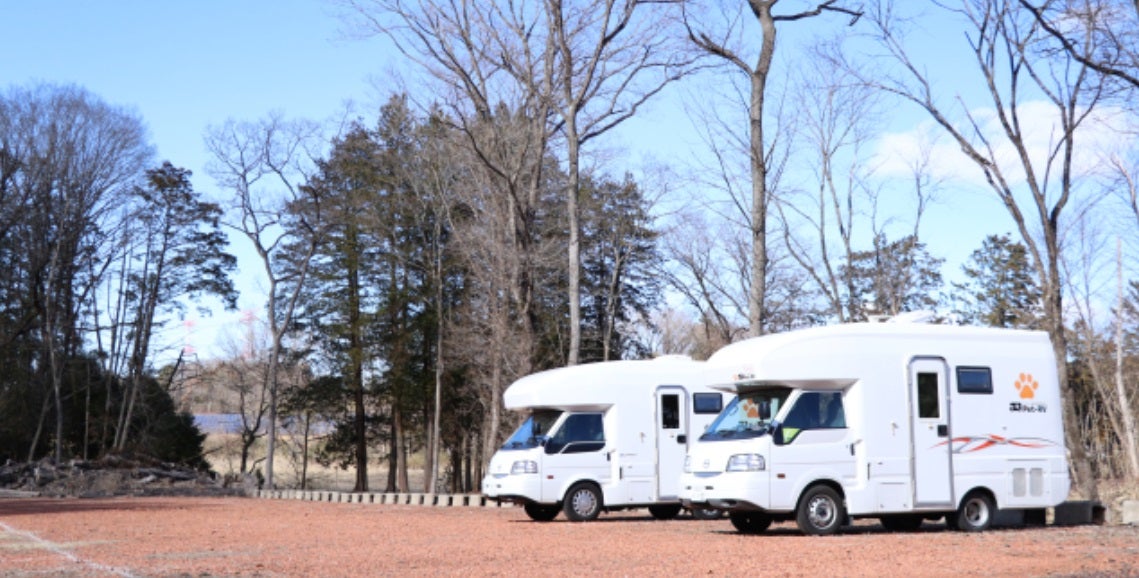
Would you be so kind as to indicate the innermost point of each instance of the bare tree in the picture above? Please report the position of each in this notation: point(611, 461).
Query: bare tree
point(262, 165)
point(1014, 58)
point(707, 265)
point(1108, 25)
point(836, 120)
point(729, 41)
point(607, 59)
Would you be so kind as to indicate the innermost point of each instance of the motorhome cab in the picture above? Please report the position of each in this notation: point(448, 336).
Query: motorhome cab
point(899, 421)
point(602, 436)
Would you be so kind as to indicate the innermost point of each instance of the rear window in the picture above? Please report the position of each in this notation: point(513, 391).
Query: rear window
point(707, 402)
point(974, 380)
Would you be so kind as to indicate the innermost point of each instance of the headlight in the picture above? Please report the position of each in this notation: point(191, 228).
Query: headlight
point(746, 463)
point(524, 467)
point(688, 464)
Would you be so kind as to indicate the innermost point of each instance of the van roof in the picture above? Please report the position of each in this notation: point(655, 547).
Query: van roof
point(602, 384)
point(807, 355)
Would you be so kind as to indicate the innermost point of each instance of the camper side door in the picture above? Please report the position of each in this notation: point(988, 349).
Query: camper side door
point(930, 440)
point(672, 439)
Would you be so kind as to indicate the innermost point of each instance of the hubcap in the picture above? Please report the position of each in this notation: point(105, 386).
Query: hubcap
point(821, 512)
point(584, 502)
point(976, 513)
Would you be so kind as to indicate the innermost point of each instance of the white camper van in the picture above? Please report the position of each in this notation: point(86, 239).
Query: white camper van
point(602, 436)
point(898, 421)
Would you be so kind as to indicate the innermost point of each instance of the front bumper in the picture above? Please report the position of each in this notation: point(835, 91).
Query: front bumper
point(512, 487)
point(730, 491)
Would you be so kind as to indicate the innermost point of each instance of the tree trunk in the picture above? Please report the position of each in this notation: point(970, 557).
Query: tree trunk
point(433, 456)
point(1128, 434)
point(574, 265)
point(393, 443)
point(758, 292)
point(401, 453)
point(1053, 297)
point(39, 428)
point(304, 452)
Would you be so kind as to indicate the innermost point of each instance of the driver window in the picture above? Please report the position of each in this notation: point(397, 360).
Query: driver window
point(581, 432)
point(814, 410)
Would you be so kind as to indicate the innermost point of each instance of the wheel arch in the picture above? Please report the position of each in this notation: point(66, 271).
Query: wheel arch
point(832, 484)
point(568, 485)
point(978, 489)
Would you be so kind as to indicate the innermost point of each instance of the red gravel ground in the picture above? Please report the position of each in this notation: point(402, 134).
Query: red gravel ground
point(202, 537)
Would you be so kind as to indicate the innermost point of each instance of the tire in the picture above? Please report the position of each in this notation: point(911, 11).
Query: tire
point(582, 503)
point(750, 522)
point(665, 511)
point(541, 512)
point(975, 514)
point(902, 522)
point(821, 512)
point(707, 513)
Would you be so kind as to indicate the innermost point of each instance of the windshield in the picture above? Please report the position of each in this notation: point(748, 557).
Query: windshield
point(748, 415)
point(530, 433)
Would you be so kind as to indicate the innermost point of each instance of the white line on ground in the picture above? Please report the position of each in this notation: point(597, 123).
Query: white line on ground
point(57, 549)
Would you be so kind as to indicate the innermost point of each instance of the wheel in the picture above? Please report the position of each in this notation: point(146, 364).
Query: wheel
point(583, 503)
point(750, 522)
point(665, 511)
point(821, 512)
point(707, 513)
point(975, 514)
point(902, 522)
point(541, 512)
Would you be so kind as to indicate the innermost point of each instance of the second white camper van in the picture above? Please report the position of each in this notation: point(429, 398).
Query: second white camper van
point(899, 421)
point(602, 436)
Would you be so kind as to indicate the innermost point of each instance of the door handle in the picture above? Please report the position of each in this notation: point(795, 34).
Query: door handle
point(681, 439)
point(942, 431)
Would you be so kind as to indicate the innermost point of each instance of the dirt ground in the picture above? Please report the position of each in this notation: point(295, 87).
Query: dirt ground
point(211, 537)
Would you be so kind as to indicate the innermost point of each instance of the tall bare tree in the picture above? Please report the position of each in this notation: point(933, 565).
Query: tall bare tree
point(262, 165)
point(819, 224)
point(730, 41)
point(1015, 58)
point(607, 59)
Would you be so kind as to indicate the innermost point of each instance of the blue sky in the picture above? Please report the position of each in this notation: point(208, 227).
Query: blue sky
point(186, 65)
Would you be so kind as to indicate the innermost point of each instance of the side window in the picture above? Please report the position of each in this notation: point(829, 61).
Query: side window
point(581, 432)
point(814, 410)
point(834, 415)
point(929, 396)
point(670, 411)
point(707, 403)
point(974, 380)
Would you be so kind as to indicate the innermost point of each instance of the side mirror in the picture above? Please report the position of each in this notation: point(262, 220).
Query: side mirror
point(765, 410)
point(777, 433)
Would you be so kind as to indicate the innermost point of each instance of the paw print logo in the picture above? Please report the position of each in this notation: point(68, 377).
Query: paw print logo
point(1027, 386)
point(750, 408)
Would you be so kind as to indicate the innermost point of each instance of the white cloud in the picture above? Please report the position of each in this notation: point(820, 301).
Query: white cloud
point(1108, 130)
